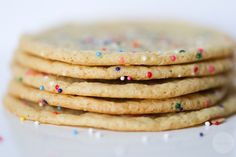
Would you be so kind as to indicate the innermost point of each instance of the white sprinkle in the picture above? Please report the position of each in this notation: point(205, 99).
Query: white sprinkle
point(144, 139)
point(98, 135)
point(122, 78)
point(90, 131)
point(179, 75)
point(144, 58)
point(36, 123)
point(45, 77)
point(52, 83)
point(207, 123)
point(166, 136)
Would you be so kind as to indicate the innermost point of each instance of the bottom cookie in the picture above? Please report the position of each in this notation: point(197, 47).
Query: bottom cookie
point(158, 122)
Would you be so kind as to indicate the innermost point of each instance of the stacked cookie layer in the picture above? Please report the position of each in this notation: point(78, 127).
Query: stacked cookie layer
point(130, 77)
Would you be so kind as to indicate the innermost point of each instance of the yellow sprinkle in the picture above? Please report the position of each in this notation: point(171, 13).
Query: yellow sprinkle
point(22, 119)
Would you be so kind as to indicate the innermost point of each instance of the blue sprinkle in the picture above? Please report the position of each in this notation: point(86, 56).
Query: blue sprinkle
point(117, 68)
point(201, 134)
point(121, 50)
point(99, 54)
point(41, 87)
point(59, 90)
point(59, 108)
point(75, 131)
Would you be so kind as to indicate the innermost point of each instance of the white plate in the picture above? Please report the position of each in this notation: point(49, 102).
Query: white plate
point(29, 140)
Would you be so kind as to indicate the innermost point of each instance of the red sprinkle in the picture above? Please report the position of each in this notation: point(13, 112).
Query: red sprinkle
point(211, 69)
point(173, 58)
point(207, 103)
point(55, 112)
point(149, 74)
point(1, 139)
point(57, 87)
point(195, 69)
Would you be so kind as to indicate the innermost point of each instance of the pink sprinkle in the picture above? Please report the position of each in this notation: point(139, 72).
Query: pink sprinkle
point(207, 103)
point(1, 139)
point(121, 60)
point(129, 78)
point(173, 58)
point(211, 69)
point(200, 50)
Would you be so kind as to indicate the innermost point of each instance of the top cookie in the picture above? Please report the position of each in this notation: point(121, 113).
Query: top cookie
point(146, 43)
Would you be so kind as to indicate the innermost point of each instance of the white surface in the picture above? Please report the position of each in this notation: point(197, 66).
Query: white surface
point(23, 139)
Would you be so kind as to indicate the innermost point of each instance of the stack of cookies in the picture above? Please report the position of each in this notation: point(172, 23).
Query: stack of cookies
point(140, 76)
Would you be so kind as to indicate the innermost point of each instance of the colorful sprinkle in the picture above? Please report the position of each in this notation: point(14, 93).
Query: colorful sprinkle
point(57, 87)
point(217, 121)
point(211, 69)
point(41, 87)
point(20, 79)
point(195, 69)
point(122, 78)
point(149, 74)
point(201, 134)
point(200, 50)
point(173, 58)
point(136, 44)
point(199, 53)
point(55, 112)
point(122, 60)
point(207, 123)
point(42, 102)
point(1, 139)
point(207, 103)
point(75, 132)
point(22, 119)
point(59, 90)
point(129, 78)
point(36, 123)
point(99, 54)
point(117, 68)
point(90, 131)
point(59, 108)
point(178, 106)
point(182, 51)
point(144, 58)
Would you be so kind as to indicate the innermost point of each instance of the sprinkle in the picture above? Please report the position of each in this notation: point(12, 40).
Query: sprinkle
point(166, 136)
point(218, 121)
point(144, 58)
point(1, 139)
point(117, 68)
point(207, 123)
point(221, 105)
point(136, 44)
point(149, 74)
point(59, 108)
point(129, 78)
point(207, 103)
point(122, 78)
point(90, 131)
point(51, 83)
point(179, 75)
point(211, 69)
point(201, 134)
point(57, 87)
point(173, 58)
point(59, 90)
point(200, 50)
point(182, 51)
point(121, 60)
point(41, 87)
point(55, 112)
point(144, 139)
point(22, 119)
point(195, 69)
point(98, 54)
point(75, 131)
point(98, 135)
point(42, 102)
point(178, 106)
point(121, 50)
point(36, 123)
point(20, 79)
point(104, 49)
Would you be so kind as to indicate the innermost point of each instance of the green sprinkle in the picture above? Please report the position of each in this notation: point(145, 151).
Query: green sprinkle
point(178, 106)
point(199, 56)
point(182, 51)
point(20, 79)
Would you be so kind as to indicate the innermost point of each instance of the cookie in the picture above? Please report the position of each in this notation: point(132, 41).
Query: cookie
point(158, 122)
point(118, 106)
point(126, 72)
point(152, 89)
point(127, 43)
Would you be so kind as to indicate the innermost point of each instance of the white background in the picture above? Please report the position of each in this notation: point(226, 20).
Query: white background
point(18, 16)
